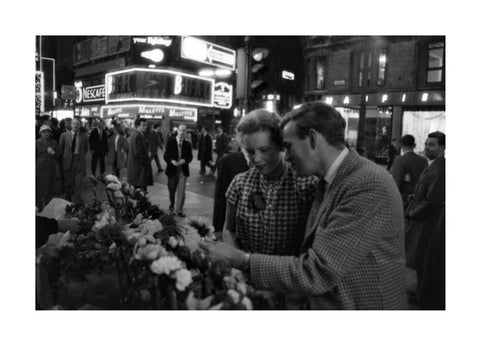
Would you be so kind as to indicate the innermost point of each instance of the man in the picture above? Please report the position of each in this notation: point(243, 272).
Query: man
point(178, 154)
point(120, 150)
point(221, 144)
point(73, 148)
point(426, 207)
point(352, 253)
point(393, 152)
point(155, 142)
point(98, 141)
point(205, 151)
point(407, 168)
point(139, 170)
point(228, 167)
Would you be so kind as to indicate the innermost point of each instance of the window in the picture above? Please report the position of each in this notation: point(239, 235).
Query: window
point(320, 74)
point(360, 73)
point(382, 64)
point(436, 53)
point(362, 70)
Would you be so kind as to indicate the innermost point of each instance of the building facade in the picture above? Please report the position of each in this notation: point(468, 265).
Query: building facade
point(384, 87)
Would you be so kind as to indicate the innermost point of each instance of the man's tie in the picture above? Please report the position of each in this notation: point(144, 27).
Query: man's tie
point(74, 142)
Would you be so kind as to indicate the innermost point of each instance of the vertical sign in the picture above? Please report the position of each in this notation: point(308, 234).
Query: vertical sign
point(39, 92)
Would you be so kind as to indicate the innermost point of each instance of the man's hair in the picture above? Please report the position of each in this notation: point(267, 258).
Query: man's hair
point(261, 120)
point(440, 137)
point(407, 140)
point(320, 117)
point(138, 121)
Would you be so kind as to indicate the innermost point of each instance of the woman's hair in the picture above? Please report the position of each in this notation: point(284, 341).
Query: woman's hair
point(260, 120)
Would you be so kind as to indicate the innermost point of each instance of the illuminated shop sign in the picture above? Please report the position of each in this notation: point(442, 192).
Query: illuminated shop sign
point(89, 93)
point(88, 111)
point(150, 111)
point(199, 50)
point(223, 95)
point(153, 40)
point(157, 85)
point(39, 93)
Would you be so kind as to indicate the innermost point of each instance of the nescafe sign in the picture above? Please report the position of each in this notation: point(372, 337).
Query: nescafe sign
point(90, 93)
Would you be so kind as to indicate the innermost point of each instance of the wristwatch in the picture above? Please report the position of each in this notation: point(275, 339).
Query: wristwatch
point(246, 263)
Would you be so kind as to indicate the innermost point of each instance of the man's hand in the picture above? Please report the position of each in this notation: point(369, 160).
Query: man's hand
point(223, 251)
point(174, 163)
point(69, 224)
point(181, 162)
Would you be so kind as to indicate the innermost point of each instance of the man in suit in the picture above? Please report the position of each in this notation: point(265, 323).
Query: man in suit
point(178, 154)
point(407, 168)
point(139, 169)
point(98, 141)
point(120, 150)
point(221, 144)
point(73, 148)
point(229, 165)
point(426, 207)
point(155, 142)
point(205, 148)
point(352, 253)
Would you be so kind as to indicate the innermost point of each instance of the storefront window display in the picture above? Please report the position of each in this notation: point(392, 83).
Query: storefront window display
point(378, 122)
point(420, 123)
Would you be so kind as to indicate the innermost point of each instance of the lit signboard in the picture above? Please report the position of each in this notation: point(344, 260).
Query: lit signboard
point(223, 95)
point(39, 93)
point(199, 50)
point(88, 111)
point(150, 111)
point(288, 75)
point(153, 40)
point(90, 93)
point(158, 85)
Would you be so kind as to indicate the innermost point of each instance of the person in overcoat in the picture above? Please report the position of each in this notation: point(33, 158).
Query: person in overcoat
point(352, 253)
point(73, 148)
point(406, 169)
point(155, 142)
point(426, 205)
point(46, 153)
point(98, 141)
point(221, 144)
point(178, 154)
point(119, 151)
point(205, 149)
point(139, 170)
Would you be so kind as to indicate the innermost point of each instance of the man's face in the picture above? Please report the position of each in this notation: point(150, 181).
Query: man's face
point(181, 131)
point(298, 151)
point(68, 124)
point(432, 149)
point(101, 125)
point(76, 125)
point(142, 127)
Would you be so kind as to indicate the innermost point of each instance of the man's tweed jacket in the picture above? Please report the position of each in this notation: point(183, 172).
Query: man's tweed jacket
point(352, 256)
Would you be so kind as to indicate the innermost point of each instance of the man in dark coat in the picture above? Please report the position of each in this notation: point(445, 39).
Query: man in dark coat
point(221, 144)
point(139, 170)
point(98, 141)
point(407, 168)
point(155, 142)
point(178, 154)
point(426, 205)
point(229, 165)
point(393, 151)
point(205, 148)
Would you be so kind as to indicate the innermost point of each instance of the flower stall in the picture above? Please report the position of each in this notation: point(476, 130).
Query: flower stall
point(130, 254)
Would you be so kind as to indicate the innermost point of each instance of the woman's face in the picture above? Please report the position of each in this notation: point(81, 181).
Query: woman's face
point(262, 151)
point(45, 134)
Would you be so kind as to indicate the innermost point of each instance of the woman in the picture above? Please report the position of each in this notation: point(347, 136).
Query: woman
point(267, 206)
point(46, 153)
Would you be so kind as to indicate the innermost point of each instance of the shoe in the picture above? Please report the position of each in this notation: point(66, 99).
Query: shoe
point(181, 214)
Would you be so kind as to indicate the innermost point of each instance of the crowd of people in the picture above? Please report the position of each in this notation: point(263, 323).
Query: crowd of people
point(301, 213)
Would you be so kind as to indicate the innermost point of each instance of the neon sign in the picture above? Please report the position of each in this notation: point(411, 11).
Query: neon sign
point(213, 54)
point(223, 95)
point(150, 111)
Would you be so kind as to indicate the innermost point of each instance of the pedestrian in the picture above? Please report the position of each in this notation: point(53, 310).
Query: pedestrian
point(46, 153)
point(228, 167)
point(73, 148)
point(120, 150)
point(426, 206)
point(221, 144)
point(139, 169)
point(155, 142)
point(98, 140)
point(205, 147)
point(352, 252)
point(270, 194)
point(178, 154)
point(393, 151)
point(406, 169)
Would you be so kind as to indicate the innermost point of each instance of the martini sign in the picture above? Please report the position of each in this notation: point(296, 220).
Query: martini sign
point(223, 95)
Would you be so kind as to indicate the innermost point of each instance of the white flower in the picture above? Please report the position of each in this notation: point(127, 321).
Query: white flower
point(112, 178)
point(193, 303)
point(247, 303)
point(114, 186)
point(105, 218)
point(112, 247)
point(242, 287)
point(235, 295)
point(117, 194)
point(151, 227)
point(65, 240)
point(132, 235)
point(149, 252)
point(172, 241)
point(166, 265)
point(184, 278)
